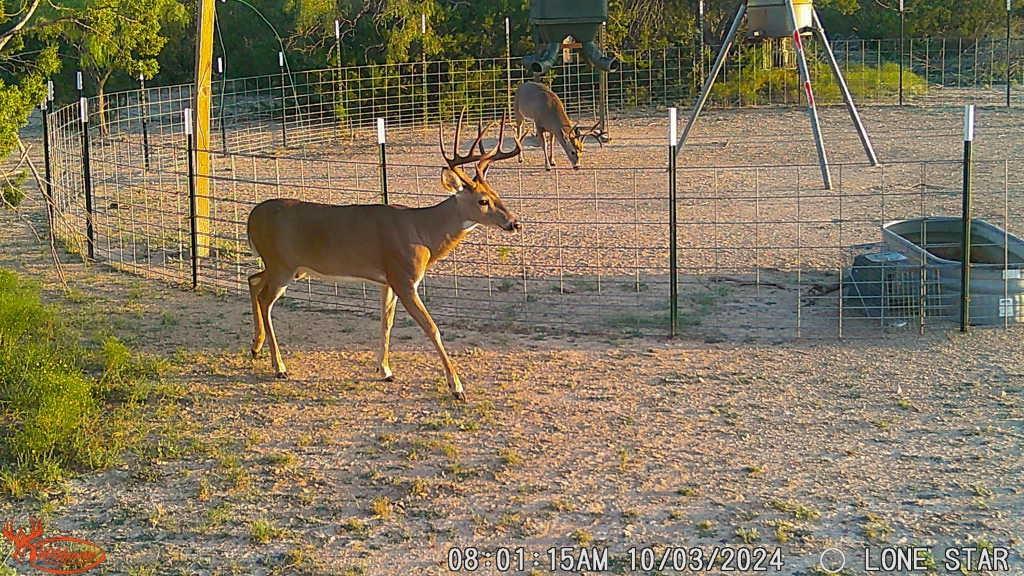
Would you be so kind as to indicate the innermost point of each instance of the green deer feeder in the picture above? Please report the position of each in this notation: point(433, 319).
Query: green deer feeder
point(554, 20)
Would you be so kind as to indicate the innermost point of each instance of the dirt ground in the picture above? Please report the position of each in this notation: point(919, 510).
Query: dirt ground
point(584, 442)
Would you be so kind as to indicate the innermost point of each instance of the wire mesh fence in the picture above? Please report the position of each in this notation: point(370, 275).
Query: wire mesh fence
point(763, 251)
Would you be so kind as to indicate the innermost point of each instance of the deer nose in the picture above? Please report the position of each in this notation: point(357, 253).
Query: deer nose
point(514, 226)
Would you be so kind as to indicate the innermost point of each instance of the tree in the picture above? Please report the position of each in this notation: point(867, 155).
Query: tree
point(125, 36)
point(25, 63)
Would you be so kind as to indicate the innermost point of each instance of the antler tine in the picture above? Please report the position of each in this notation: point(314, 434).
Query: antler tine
point(457, 159)
point(594, 133)
point(496, 153)
point(478, 143)
point(458, 132)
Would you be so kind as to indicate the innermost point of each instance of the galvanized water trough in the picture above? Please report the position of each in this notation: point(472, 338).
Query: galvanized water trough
point(997, 258)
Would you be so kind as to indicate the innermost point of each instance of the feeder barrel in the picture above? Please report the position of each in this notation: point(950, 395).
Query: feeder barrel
point(543, 61)
point(592, 52)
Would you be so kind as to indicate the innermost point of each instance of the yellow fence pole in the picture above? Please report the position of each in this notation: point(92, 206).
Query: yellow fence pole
point(201, 106)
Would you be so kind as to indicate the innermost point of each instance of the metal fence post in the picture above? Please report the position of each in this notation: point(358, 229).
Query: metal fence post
point(221, 112)
point(337, 70)
point(672, 259)
point(1009, 9)
point(902, 36)
point(47, 171)
point(192, 224)
point(284, 102)
point(700, 41)
point(143, 115)
point(508, 67)
point(603, 89)
point(423, 60)
point(90, 233)
point(965, 240)
point(382, 141)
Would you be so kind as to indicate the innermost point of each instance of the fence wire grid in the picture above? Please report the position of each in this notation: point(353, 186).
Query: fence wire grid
point(762, 251)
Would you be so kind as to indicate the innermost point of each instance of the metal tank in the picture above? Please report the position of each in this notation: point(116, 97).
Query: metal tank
point(554, 20)
point(770, 18)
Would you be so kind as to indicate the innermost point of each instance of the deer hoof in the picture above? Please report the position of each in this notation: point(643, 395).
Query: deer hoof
point(388, 378)
point(281, 375)
point(253, 352)
point(459, 395)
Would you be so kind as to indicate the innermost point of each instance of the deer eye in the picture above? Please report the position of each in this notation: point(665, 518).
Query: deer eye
point(483, 202)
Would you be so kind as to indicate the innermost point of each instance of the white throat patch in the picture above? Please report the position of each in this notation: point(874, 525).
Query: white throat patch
point(469, 224)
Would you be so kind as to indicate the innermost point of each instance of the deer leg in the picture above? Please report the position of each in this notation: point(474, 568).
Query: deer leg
point(273, 288)
point(255, 285)
point(543, 146)
point(387, 320)
point(519, 133)
point(412, 303)
point(550, 148)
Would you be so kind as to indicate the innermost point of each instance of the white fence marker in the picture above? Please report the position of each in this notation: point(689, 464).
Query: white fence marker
point(380, 131)
point(969, 123)
point(672, 126)
point(83, 105)
point(187, 114)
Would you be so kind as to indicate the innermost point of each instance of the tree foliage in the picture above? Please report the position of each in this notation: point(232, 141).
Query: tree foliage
point(123, 35)
point(120, 36)
point(25, 64)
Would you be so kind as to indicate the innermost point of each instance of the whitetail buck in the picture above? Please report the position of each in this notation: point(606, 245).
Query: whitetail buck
point(537, 102)
point(390, 245)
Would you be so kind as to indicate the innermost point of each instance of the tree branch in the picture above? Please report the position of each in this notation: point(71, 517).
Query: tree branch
point(6, 36)
point(51, 211)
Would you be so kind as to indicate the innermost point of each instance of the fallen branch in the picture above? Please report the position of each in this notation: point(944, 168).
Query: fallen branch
point(741, 282)
point(7, 203)
point(50, 210)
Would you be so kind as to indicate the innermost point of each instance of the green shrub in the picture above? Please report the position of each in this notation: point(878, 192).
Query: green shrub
point(54, 416)
point(757, 85)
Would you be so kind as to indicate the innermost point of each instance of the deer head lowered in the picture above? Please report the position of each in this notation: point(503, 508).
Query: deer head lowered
point(539, 103)
point(390, 245)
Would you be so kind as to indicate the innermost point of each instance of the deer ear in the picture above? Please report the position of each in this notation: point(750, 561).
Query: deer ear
point(451, 181)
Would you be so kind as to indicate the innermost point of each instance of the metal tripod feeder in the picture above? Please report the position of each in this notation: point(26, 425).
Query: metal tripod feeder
point(770, 18)
point(554, 20)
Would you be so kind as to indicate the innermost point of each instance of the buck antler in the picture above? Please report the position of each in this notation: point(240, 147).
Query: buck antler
point(497, 153)
point(483, 159)
point(595, 132)
point(456, 159)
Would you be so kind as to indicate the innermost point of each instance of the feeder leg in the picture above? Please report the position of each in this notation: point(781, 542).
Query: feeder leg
point(812, 111)
point(710, 80)
point(850, 106)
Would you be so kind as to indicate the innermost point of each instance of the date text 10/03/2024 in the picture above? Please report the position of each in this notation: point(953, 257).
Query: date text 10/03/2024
point(570, 559)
